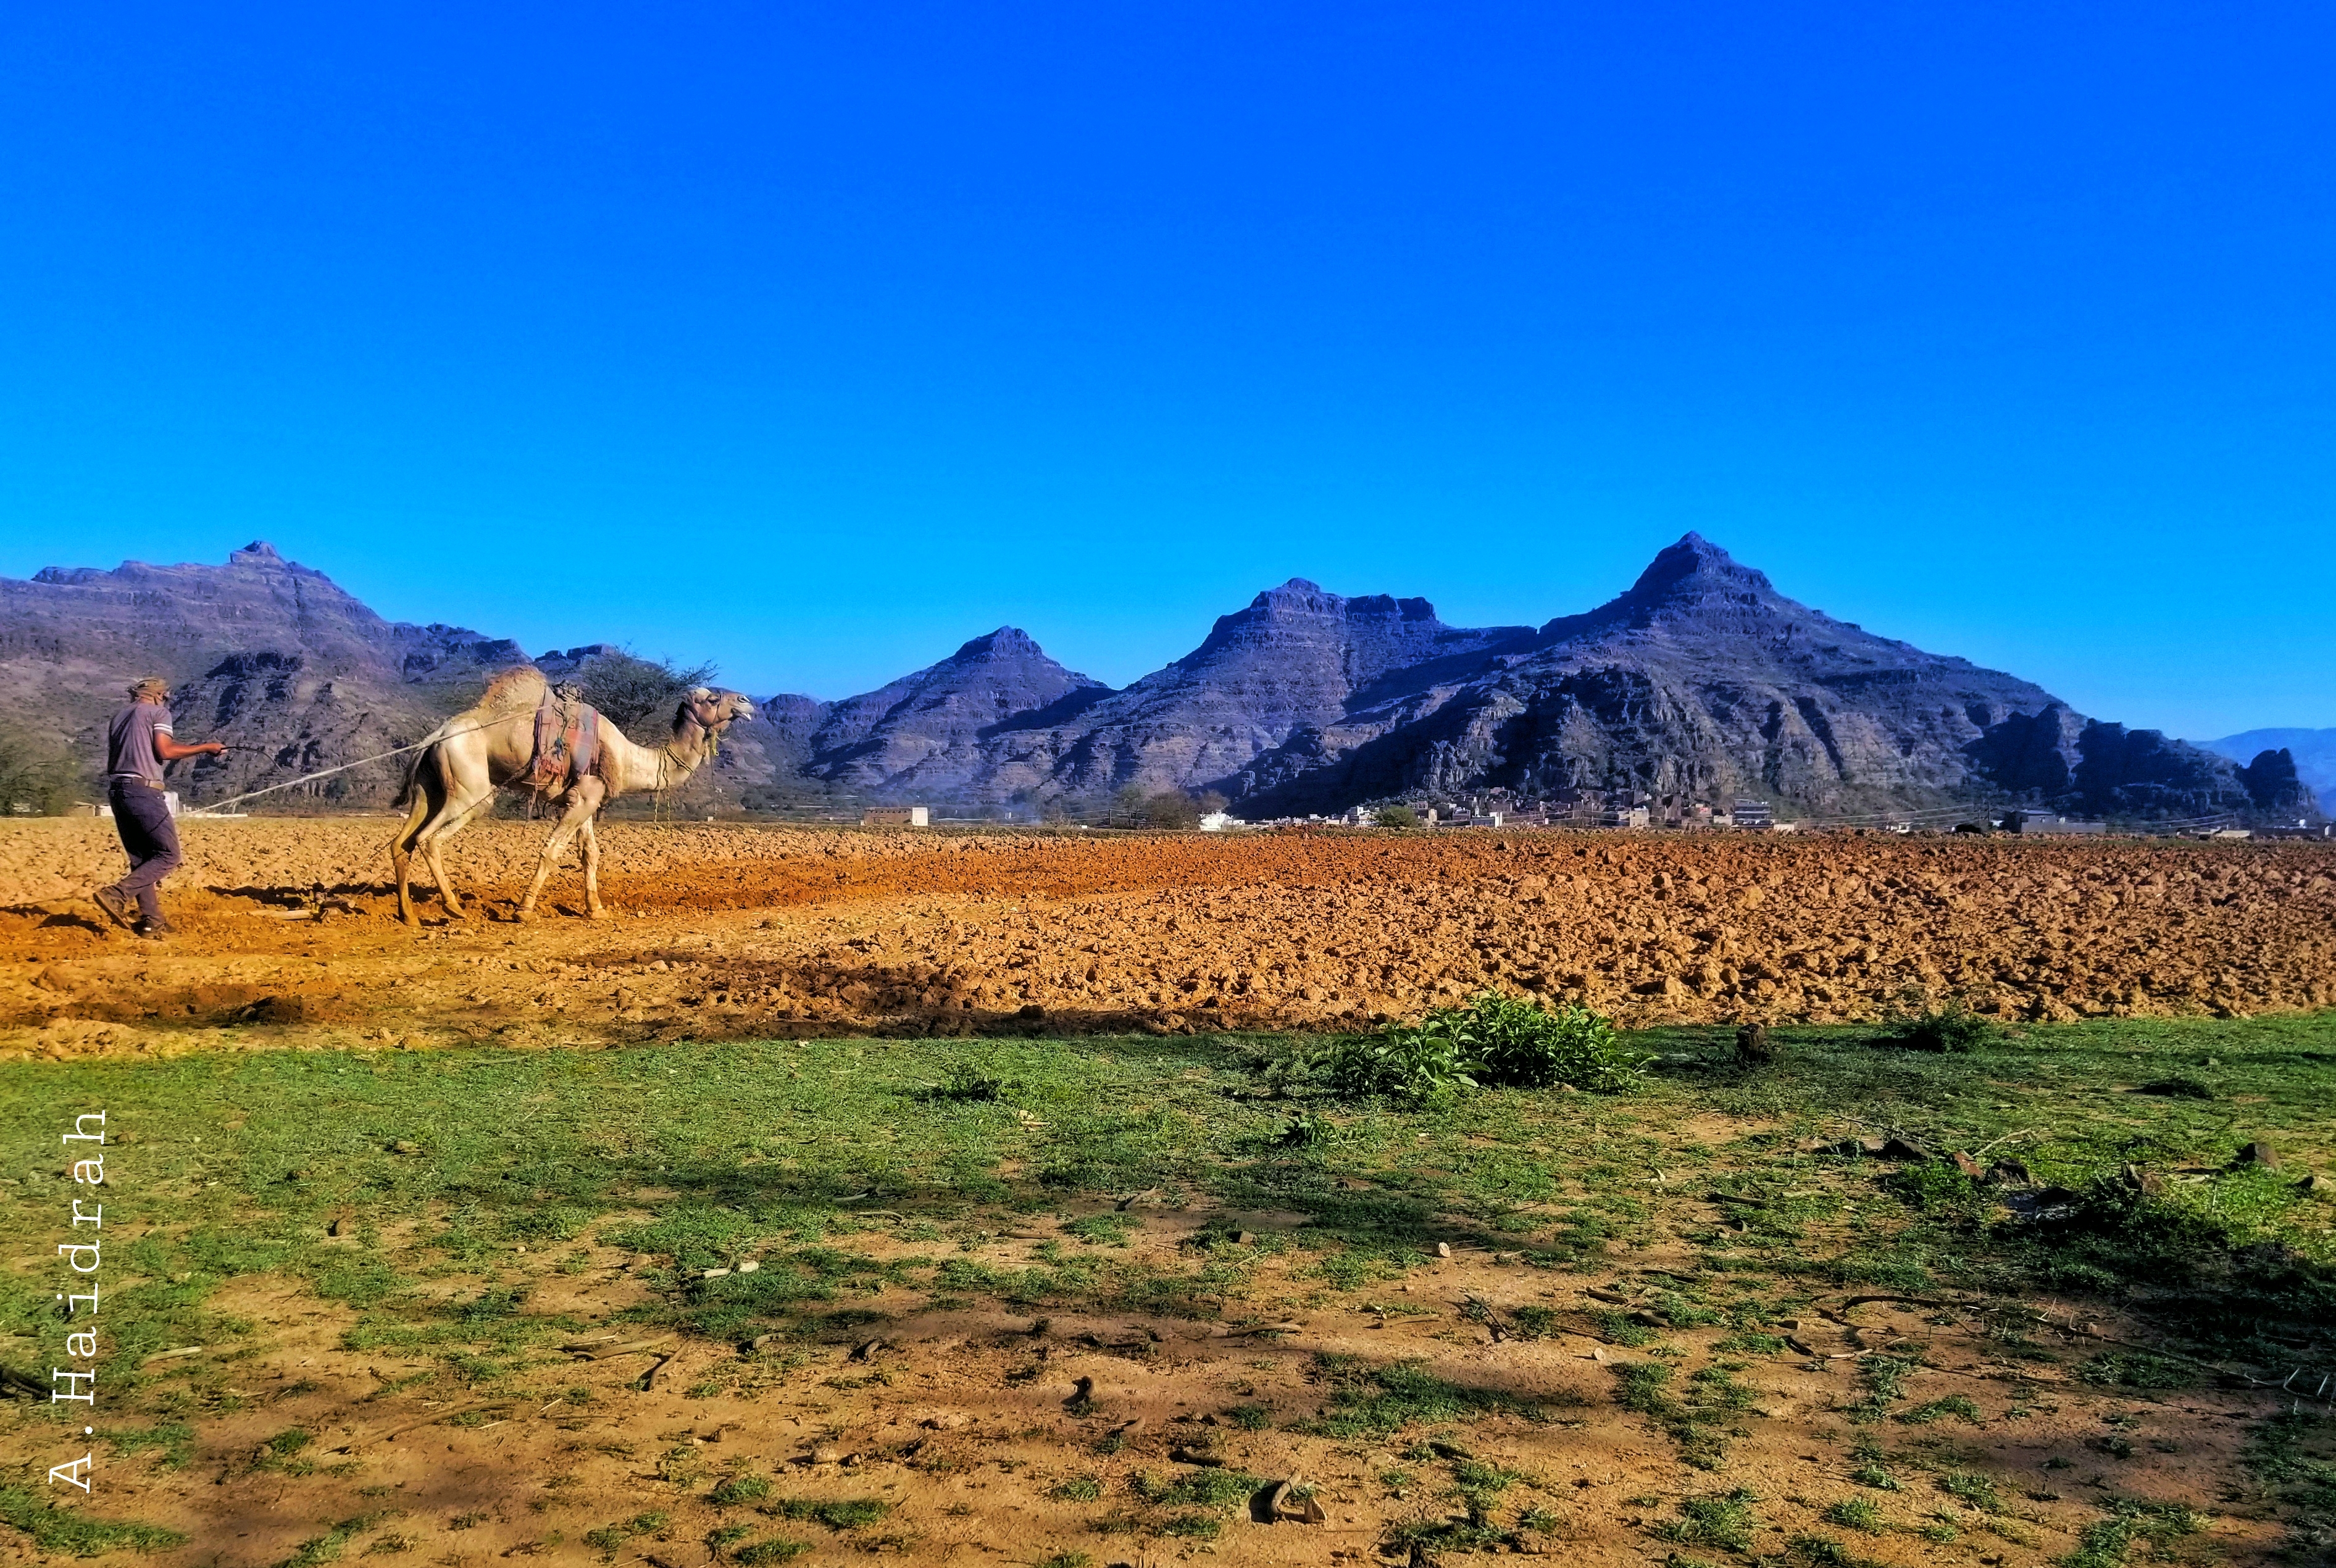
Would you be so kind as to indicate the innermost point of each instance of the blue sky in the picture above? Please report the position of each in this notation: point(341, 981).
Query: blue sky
point(815, 340)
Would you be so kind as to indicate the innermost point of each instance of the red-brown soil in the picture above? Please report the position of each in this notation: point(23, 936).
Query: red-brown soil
point(725, 932)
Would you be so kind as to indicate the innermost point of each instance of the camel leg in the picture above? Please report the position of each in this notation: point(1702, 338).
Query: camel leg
point(593, 908)
point(456, 817)
point(578, 817)
point(401, 852)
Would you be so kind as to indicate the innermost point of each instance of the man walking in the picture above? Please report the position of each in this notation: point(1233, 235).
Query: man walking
point(137, 743)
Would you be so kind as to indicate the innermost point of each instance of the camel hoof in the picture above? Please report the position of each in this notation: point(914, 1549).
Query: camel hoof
point(596, 913)
point(522, 914)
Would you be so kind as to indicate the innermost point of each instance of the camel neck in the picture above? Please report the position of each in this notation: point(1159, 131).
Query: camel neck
point(682, 751)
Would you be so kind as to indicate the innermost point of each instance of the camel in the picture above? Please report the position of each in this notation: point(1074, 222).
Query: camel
point(464, 761)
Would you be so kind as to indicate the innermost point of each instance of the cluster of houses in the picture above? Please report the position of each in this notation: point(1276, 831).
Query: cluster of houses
point(1587, 808)
point(1629, 809)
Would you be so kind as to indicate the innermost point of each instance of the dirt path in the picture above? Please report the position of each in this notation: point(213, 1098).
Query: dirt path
point(725, 932)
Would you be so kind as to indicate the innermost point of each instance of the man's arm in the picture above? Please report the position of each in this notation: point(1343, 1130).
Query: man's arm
point(170, 750)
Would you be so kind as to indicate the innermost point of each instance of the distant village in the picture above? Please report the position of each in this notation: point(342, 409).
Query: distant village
point(1583, 809)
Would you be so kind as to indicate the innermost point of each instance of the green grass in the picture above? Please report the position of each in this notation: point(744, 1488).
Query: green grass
point(2107, 1542)
point(1724, 1522)
point(1205, 1488)
point(1378, 1401)
point(57, 1529)
point(845, 1513)
point(697, 1155)
point(329, 1547)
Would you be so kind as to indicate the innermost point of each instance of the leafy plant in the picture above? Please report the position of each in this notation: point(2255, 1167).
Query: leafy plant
point(1396, 817)
point(1951, 1026)
point(1418, 1065)
point(1494, 1041)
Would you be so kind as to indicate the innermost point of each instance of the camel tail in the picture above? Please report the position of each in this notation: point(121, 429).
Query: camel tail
point(413, 776)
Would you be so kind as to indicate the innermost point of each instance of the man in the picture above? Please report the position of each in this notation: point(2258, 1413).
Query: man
point(137, 743)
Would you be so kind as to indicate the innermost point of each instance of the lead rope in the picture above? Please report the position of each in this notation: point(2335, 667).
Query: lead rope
point(217, 806)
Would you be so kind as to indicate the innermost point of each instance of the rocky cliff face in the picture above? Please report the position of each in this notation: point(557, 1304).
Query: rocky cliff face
point(927, 733)
point(261, 652)
point(1701, 679)
point(2311, 753)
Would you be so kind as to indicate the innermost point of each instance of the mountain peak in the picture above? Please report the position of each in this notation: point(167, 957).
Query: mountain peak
point(1297, 594)
point(1005, 642)
point(1694, 559)
point(258, 553)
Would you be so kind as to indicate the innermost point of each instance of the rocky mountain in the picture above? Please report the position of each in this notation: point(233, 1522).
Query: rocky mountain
point(2311, 753)
point(261, 653)
point(1701, 679)
point(927, 732)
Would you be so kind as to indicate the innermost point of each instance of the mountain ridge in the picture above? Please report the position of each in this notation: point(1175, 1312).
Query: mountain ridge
point(1699, 679)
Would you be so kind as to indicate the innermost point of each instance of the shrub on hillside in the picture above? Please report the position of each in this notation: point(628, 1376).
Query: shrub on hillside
point(1493, 1042)
point(1398, 817)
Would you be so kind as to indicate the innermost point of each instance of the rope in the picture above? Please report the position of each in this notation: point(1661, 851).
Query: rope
point(217, 806)
point(664, 759)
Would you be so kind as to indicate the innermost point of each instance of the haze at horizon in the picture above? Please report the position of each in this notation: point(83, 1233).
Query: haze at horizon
point(817, 346)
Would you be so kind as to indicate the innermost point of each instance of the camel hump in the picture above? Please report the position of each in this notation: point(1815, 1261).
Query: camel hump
point(517, 690)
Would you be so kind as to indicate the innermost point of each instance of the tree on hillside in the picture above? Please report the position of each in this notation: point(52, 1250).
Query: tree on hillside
point(1396, 817)
point(627, 688)
point(39, 775)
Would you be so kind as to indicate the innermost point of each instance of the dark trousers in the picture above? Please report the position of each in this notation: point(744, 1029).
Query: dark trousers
point(142, 817)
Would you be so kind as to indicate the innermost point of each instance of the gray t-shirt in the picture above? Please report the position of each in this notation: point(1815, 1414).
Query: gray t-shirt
point(130, 742)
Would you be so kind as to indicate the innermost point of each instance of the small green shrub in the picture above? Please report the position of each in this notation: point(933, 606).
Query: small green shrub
point(1724, 1522)
point(1858, 1513)
point(775, 1549)
point(1530, 1322)
point(1976, 1490)
point(733, 1490)
point(1419, 1066)
point(1396, 817)
point(1951, 1027)
point(1524, 1045)
point(1494, 1041)
point(2135, 1369)
point(841, 1514)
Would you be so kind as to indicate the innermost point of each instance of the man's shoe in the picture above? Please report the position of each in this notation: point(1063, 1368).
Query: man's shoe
point(116, 908)
point(149, 930)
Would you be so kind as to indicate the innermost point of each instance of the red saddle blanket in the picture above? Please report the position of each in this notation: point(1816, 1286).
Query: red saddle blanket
point(567, 746)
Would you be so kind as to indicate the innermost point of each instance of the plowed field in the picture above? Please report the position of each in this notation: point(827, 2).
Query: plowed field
point(732, 931)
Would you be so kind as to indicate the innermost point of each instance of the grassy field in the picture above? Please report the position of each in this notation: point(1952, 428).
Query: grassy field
point(471, 1180)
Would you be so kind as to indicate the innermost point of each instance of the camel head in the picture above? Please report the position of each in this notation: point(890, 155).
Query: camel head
point(716, 711)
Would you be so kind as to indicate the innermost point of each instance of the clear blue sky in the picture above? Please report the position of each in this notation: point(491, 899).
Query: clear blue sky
point(818, 339)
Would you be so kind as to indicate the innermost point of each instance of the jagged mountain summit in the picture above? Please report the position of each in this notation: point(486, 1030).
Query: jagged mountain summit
point(1701, 680)
point(261, 652)
point(928, 731)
